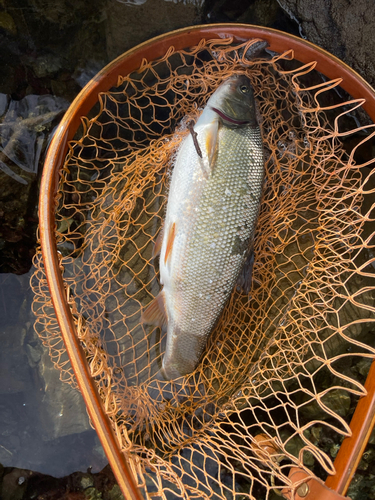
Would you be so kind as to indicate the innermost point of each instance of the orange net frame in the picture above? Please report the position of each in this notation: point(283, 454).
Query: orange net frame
point(281, 370)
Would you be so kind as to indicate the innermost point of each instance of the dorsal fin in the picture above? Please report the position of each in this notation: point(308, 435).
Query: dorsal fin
point(155, 313)
point(170, 240)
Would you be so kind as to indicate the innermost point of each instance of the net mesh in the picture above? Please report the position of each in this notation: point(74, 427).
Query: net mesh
point(281, 373)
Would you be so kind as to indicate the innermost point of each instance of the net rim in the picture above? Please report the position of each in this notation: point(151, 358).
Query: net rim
point(305, 52)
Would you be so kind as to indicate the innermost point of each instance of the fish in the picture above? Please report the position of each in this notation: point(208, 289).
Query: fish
point(211, 214)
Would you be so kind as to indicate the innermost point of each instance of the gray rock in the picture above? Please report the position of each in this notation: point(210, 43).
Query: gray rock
point(13, 487)
point(342, 27)
point(161, 17)
point(47, 64)
point(26, 127)
point(115, 493)
point(363, 366)
point(337, 400)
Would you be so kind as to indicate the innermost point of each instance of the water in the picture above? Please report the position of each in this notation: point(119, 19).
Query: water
point(44, 425)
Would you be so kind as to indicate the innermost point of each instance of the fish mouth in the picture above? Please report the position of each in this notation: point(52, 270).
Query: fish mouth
point(229, 118)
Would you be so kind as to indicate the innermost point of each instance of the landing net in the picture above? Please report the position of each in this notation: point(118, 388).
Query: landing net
point(285, 365)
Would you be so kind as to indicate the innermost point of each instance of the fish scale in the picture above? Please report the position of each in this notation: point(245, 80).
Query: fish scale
point(211, 215)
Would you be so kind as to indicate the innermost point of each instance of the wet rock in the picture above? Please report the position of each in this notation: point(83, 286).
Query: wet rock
point(337, 400)
point(293, 444)
point(87, 481)
point(14, 484)
point(363, 367)
point(81, 24)
point(115, 493)
point(308, 459)
point(72, 487)
point(260, 12)
point(362, 487)
point(26, 126)
point(7, 23)
point(372, 437)
point(47, 64)
point(368, 457)
point(30, 59)
point(59, 87)
point(160, 17)
point(66, 13)
point(334, 450)
point(93, 494)
point(342, 27)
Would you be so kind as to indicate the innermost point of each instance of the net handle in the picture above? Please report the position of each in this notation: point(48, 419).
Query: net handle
point(305, 52)
point(352, 448)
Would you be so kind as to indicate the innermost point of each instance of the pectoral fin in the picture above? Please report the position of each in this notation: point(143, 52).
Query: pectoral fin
point(155, 313)
point(212, 142)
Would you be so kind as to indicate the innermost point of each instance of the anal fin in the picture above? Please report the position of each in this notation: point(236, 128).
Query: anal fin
point(155, 313)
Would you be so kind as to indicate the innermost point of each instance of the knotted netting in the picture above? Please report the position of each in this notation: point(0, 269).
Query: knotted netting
point(285, 364)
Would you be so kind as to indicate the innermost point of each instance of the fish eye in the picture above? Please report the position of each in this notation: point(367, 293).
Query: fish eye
point(244, 89)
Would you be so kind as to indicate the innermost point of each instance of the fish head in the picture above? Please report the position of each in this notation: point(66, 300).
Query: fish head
point(234, 102)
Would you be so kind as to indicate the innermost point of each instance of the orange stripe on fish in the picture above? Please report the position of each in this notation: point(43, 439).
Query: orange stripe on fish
point(170, 240)
point(212, 141)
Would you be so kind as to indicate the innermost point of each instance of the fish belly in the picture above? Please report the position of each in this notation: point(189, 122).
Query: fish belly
point(215, 212)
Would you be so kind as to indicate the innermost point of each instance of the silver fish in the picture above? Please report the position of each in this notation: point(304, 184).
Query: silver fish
point(212, 209)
